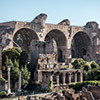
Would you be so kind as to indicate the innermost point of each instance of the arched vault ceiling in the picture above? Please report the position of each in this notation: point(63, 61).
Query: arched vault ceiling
point(58, 36)
point(27, 35)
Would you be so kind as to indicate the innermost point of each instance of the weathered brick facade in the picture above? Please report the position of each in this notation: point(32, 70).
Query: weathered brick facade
point(71, 41)
point(59, 42)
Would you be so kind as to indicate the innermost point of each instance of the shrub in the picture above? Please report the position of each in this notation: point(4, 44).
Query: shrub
point(86, 66)
point(85, 75)
point(3, 94)
point(25, 76)
point(94, 65)
point(78, 86)
point(78, 63)
point(94, 74)
point(50, 85)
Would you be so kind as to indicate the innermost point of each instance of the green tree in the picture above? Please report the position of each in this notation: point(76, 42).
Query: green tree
point(78, 63)
point(23, 59)
point(85, 75)
point(14, 73)
point(4, 68)
point(25, 75)
point(12, 57)
point(11, 53)
point(94, 74)
point(87, 66)
point(94, 65)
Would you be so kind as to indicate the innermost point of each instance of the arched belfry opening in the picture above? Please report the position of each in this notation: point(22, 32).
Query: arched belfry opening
point(80, 46)
point(23, 38)
point(61, 43)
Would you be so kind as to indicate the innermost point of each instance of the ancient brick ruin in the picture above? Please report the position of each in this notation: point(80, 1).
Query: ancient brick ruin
point(52, 46)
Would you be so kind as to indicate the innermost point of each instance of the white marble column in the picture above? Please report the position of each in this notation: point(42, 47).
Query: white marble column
point(19, 88)
point(63, 78)
point(81, 77)
point(69, 78)
point(75, 77)
point(9, 90)
point(57, 79)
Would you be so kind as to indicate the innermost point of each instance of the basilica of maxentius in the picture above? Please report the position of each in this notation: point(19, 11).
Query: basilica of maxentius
point(52, 46)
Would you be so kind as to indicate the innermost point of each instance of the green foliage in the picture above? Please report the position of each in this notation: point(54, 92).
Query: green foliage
point(64, 67)
point(94, 74)
point(14, 72)
point(25, 75)
point(3, 94)
point(2, 80)
point(78, 63)
point(85, 74)
point(94, 65)
point(23, 59)
point(90, 71)
point(12, 57)
point(86, 66)
point(8, 62)
point(50, 85)
point(4, 68)
point(11, 53)
point(78, 86)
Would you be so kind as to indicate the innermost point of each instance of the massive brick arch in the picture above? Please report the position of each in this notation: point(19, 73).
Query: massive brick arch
point(26, 35)
point(61, 42)
point(80, 46)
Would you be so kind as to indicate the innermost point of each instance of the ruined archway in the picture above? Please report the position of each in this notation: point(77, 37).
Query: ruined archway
point(61, 43)
point(55, 78)
point(61, 78)
point(67, 78)
point(80, 46)
point(23, 37)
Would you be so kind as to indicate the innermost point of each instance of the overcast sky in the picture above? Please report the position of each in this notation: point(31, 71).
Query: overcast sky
point(79, 12)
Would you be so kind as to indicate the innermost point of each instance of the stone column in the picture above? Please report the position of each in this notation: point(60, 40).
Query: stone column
point(19, 88)
point(63, 78)
point(9, 90)
point(81, 77)
point(75, 77)
point(57, 79)
point(69, 77)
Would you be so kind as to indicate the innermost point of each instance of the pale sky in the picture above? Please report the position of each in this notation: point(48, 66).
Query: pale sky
point(79, 12)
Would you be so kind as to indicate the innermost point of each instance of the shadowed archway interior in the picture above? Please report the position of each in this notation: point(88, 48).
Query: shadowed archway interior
point(25, 37)
point(61, 42)
point(80, 45)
